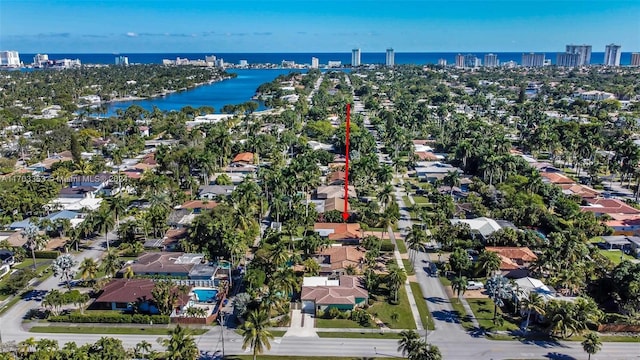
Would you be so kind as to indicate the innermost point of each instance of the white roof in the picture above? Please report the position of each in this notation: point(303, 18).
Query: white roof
point(78, 204)
point(483, 225)
point(319, 281)
point(528, 285)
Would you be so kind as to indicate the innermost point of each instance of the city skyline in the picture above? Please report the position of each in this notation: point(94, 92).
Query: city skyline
point(287, 26)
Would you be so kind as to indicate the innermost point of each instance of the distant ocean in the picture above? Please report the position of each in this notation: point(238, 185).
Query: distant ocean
point(305, 58)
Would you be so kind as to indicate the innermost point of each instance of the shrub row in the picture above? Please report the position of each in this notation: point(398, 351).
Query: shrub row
point(387, 247)
point(111, 318)
point(47, 254)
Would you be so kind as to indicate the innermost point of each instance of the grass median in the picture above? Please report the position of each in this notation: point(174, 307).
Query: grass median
point(358, 335)
point(421, 303)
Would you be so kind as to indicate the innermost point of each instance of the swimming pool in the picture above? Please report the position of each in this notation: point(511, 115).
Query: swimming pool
point(204, 295)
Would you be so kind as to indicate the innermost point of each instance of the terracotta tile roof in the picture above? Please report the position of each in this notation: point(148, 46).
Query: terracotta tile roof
point(149, 159)
point(345, 293)
point(523, 254)
point(341, 231)
point(609, 206)
point(174, 235)
point(426, 156)
point(340, 257)
point(245, 157)
point(336, 177)
point(142, 166)
point(556, 178)
point(623, 223)
point(580, 190)
point(199, 204)
point(131, 290)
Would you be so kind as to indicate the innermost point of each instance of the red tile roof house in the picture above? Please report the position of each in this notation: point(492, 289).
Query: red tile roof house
point(320, 294)
point(625, 226)
point(609, 206)
point(555, 178)
point(122, 294)
point(339, 232)
point(515, 261)
point(334, 260)
point(244, 158)
point(336, 178)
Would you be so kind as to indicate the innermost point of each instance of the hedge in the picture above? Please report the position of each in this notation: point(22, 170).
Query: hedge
point(387, 247)
point(47, 254)
point(115, 318)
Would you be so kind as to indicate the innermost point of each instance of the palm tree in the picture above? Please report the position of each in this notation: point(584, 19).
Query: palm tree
point(459, 285)
point(499, 289)
point(117, 205)
point(424, 351)
point(128, 272)
point(395, 278)
point(88, 269)
point(489, 261)
point(407, 342)
point(591, 344)
point(105, 223)
point(111, 263)
point(142, 349)
point(532, 303)
point(415, 240)
point(255, 332)
point(385, 196)
point(452, 179)
point(34, 241)
point(180, 345)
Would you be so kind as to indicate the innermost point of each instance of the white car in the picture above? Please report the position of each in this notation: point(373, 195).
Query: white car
point(475, 285)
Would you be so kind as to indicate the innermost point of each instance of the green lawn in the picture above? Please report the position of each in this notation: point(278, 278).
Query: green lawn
point(423, 309)
point(336, 323)
point(408, 267)
point(483, 311)
point(402, 248)
point(458, 309)
point(545, 337)
point(420, 199)
point(383, 311)
point(107, 330)
point(356, 335)
point(445, 281)
point(8, 305)
point(406, 201)
point(614, 255)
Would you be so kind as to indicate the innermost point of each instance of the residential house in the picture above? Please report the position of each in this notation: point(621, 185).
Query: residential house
point(610, 207)
point(339, 232)
point(45, 165)
point(428, 156)
point(245, 158)
point(630, 244)
point(174, 264)
point(24, 224)
point(515, 261)
point(143, 131)
point(625, 226)
point(183, 215)
point(98, 181)
point(483, 226)
point(125, 294)
point(334, 260)
point(315, 146)
point(331, 191)
point(198, 206)
point(215, 191)
point(320, 294)
point(527, 285)
point(435, 171)
point(79, 192)
point(336, 178)
point(583, 191)
point(14, 238)
point(556, 178)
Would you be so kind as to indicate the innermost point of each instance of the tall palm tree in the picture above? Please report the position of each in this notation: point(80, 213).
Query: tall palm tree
point(104, 223)
point(88, 269)
point(255, 332)
point(591, 344)
point(532, 303)
point(385, 195)
point(396, 276)
point(117, 205)
point(415, 240)
point(452, 179)
point(489, 261)
point(34, 241)
point(180, 345)
point(459, 285)
point(407, 342)
point(499, 289)
point(111, 263)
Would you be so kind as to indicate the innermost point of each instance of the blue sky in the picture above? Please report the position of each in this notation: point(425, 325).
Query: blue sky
point(315, 26)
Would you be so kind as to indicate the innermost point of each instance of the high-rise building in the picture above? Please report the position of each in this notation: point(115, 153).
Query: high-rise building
point(491, 60)
point(583, 50)
point(532, 60)
point(568, 59)
point(122, 60)
point(471, 61)
point(391, 58)
point(9, 58)
point(459, 61)
point(635, 59)
point(315, 63)
point(355, 57)
point(40, 60)
point(612, 55)
point(442, 62)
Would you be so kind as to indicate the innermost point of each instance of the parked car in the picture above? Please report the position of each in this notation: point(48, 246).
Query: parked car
point(475, 285)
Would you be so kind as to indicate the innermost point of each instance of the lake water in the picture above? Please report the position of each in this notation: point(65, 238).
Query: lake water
point(216, 95)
